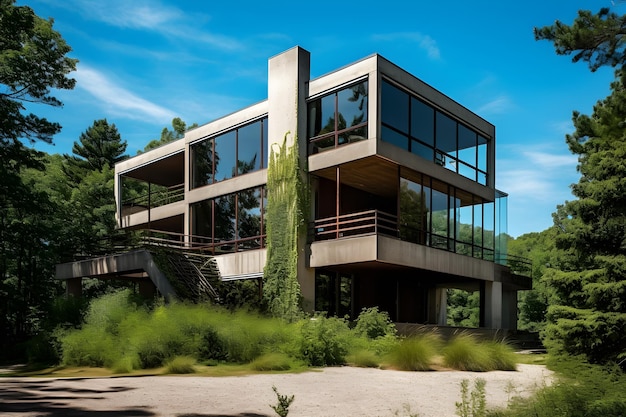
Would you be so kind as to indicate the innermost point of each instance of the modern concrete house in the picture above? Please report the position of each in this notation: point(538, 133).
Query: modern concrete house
point(403, 200)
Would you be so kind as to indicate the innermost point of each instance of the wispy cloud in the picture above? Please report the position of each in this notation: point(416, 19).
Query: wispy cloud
point(151, 16)
point(117, 99)
point(497, 105)
point(425, 42)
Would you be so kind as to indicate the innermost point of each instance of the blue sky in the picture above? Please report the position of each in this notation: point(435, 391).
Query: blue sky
point(143, 62)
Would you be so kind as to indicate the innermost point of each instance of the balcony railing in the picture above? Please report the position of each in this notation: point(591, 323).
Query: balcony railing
point(355, 224)
point(378, 222)
point(153, 198)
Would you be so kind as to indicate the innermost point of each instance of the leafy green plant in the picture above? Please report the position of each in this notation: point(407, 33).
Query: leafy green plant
point(282, 406)
point(324, 341)
point(415, 353)
point(373, 324)
point(474, 403)
point(286, 220)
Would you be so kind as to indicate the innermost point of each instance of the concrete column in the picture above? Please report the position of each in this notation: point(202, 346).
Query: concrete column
point(288, 75)
point(438, 306)
point(493, 305)
point(74, 287)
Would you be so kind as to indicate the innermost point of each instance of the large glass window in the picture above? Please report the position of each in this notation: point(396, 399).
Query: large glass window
point(411, 124)
point(338, 118)
point(439, 215)
point(230, 223)
point(233, 153)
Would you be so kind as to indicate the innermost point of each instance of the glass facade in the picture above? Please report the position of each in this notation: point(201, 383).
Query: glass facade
point(412, 124)
point(227, 155)
point(338, 118)
point(230, 223)
point(436, 214)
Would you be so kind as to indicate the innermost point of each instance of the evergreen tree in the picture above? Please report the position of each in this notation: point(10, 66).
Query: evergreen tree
point(587, 315)
point(179, 127)
point(99, 146)
point(33, 61)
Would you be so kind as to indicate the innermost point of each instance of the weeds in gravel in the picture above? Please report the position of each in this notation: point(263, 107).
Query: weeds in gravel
point(282, 406)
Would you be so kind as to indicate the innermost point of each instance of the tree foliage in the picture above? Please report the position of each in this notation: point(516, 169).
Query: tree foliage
point(597, 39)
point(588, 312)
point(98, 147)
point(179, 127)
point(33, 62)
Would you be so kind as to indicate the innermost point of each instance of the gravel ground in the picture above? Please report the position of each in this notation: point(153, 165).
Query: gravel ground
point(339, 391)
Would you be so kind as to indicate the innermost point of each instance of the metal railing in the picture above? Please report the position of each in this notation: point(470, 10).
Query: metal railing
point(355, 224)
point(154, 198)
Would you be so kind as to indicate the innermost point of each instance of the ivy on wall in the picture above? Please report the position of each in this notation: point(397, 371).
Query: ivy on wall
point(285, 221)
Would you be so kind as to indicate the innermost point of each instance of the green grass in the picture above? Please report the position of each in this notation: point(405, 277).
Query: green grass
point(363, 359)
point(580, 390)
point(272, 362)
point(181, 365)
point(415, 353)
point(465, 353)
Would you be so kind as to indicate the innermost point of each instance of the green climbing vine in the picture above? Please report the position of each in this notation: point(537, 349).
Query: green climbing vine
point(286, 221)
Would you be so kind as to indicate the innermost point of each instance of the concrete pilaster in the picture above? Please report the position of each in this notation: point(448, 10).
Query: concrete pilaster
point(74, 287)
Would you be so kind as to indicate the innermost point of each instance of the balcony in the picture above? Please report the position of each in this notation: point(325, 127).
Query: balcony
point(155, 196)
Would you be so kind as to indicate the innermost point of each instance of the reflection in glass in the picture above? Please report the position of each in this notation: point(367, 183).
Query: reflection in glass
point(202, 163)
point(249, 217)
point(439, 215)
point(422, 122)
point(202, 222)
point(395, 107)
point(467, 145)
point(224, 225)
point(395, 138)
point(225, 149)
point(412, 212)
point(249, 148)
point(338, 118)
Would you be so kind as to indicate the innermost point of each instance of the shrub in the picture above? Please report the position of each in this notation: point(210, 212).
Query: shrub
point(181, 365)
point(126, 364)
point(212, 347)
point(373, 324)
point(465, 353)
point(415, 353)
point(364, 359)
point(324, 341)
point(271, 362)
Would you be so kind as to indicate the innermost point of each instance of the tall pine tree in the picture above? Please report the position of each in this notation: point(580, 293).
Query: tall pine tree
point(587, 315)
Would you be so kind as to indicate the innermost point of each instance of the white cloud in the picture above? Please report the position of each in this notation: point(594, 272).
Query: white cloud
point(425, 42)
point(498, 105)
point(152, 16)
point(117, 99)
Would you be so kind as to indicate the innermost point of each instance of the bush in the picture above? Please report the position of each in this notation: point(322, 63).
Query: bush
point(364, 359)
point(415, 353)
point(212, 347)
point(181, 365)
point(465, 353)
point(324, 341)
point(374, 324)
point(272, 362)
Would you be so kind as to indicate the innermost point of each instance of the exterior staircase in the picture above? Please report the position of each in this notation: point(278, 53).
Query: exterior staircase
point(189, 274)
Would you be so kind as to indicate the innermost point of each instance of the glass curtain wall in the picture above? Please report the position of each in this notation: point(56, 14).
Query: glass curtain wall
point(439, 215)
point(227, 155)
point(411, 124)
point(230, 223)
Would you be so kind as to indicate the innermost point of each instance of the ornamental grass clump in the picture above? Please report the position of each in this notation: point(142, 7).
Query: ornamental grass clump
point(415, 353)
point(181, 365)
point(465, 353)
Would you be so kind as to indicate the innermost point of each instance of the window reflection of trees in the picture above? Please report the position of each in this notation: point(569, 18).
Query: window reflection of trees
point(345, 116)
point(436, 214)
point(231, 222)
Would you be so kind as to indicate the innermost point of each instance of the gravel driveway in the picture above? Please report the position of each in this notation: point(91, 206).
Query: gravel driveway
point(339, 391)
